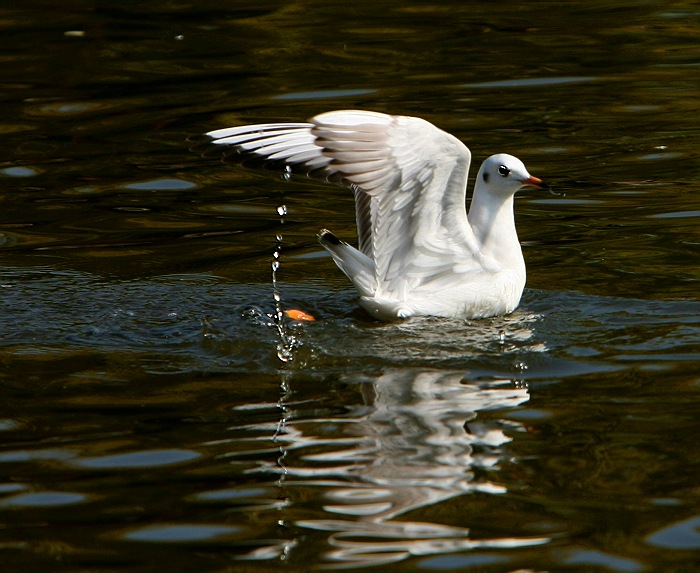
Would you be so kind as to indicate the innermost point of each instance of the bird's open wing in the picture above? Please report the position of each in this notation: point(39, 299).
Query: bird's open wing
point(409, 179)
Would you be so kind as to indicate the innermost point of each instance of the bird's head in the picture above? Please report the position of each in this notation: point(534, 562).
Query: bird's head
point(503, 174)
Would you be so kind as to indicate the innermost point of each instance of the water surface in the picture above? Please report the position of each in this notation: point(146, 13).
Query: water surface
point(148, 423)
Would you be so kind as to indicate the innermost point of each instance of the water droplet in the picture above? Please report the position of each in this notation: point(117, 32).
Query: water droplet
point(284, 352)
point(287, 173)
point(287, 343)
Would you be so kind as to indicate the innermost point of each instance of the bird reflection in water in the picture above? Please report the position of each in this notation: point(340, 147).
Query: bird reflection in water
point(415, 445)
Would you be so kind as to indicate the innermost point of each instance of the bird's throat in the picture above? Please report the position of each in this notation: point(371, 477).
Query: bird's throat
point(493, 223)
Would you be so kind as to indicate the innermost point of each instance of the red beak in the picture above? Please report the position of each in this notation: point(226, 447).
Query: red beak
point(534, 182)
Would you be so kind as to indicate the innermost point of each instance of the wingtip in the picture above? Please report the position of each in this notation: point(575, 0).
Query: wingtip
point(325, 236)
point(202, 144)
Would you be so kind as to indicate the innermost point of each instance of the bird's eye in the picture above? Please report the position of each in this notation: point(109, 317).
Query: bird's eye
point(503, 171)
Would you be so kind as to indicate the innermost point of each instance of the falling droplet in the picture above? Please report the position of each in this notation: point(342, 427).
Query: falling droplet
point(287, 173)
point(287, 344)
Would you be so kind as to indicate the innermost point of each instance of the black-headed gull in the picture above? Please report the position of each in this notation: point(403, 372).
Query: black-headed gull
point(420, 253)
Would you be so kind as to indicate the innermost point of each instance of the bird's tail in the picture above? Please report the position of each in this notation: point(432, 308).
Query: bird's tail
point(358, 267)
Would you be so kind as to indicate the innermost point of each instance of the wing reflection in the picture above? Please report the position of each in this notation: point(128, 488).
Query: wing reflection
point(414, 445)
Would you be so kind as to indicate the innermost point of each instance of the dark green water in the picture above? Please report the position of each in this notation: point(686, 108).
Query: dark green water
point(147, 423)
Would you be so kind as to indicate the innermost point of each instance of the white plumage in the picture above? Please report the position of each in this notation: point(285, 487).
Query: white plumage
point(420, 253)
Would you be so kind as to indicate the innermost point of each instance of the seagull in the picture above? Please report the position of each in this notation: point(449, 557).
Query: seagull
point(419, 252)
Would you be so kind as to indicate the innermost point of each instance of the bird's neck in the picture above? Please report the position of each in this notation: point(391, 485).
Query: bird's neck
point(493, 223)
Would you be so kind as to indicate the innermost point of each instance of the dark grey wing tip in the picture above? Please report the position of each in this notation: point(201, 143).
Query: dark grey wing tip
point(207, 147)
point(325, 236)
point(203, 144)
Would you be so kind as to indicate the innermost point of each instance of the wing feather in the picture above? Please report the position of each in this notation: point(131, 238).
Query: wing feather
point(409, 180)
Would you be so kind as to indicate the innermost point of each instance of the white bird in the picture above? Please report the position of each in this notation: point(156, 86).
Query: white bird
point(420, 253)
